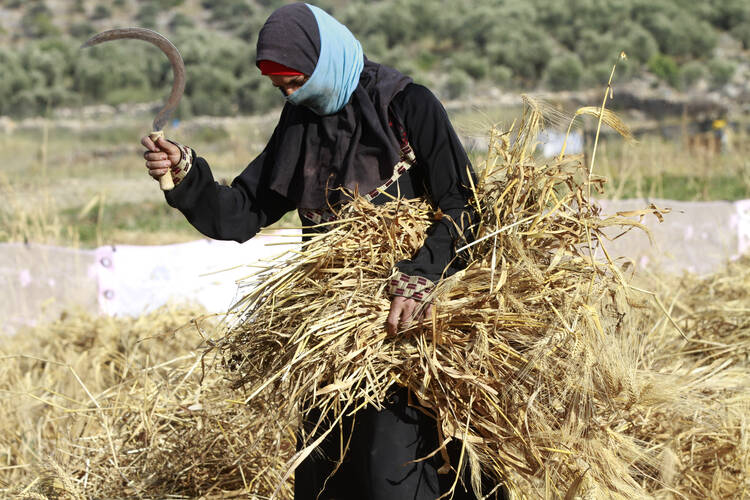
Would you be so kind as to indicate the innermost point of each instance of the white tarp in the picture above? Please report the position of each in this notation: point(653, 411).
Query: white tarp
point(698, 237)
point(39, 282)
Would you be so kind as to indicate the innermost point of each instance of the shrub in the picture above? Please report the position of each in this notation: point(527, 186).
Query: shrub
point(727, 14)
point(501, 75)
point(212, 91)
point(147, 15)
point(49, 64)
point(679, 34)
point(691, 73)
point(721, 72)
point(256, 95)
point(167, 4)
point(23, 103)
point(81, 30)
point(229, 14)
point(109, 68)
point(564, 72)
point(101, 12)
point(37, 22)
point(523, 49)
point(594, 47)
point(457, 84)
point(637, 42)
point(476, 66)
point(741, 32)
point(665, 68)
point(181, 21)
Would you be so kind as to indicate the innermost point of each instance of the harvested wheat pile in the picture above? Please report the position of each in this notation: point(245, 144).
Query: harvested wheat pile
point(534, 356)
point(558, 376)
point(713, 311)
point(96, 407)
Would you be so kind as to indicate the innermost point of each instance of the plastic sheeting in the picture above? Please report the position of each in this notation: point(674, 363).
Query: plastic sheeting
point(698, 237)
point(40, 282)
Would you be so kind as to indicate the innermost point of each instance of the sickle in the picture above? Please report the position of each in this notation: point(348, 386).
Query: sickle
point(178, 67)
point(178, 70)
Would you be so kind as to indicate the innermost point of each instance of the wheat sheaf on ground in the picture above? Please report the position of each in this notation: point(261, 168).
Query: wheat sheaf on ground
point(100, 407)
point(532, 358)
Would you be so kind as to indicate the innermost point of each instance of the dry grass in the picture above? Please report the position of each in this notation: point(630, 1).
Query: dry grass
point(559, 377)
point(113, 408)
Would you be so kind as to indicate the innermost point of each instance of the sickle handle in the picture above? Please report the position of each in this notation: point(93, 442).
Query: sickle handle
point(165, 181)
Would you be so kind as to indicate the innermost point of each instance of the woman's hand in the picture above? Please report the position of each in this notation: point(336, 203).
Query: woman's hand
point(402, 313)
point(160, 157)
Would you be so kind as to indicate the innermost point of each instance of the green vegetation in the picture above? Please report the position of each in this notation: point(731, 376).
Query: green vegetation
point(454, 47)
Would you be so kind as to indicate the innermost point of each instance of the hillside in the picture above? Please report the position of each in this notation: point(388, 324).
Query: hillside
point(458, 48)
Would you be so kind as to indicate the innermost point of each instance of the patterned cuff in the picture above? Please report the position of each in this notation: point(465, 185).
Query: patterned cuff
point(180, 170)
point(413, 287)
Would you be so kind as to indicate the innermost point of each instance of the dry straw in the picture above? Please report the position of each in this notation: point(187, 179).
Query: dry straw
point(96, 407)
point(535, 357)
point(557, 376)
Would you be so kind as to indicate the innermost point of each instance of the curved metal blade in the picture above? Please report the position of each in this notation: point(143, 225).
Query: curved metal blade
point(178, 66)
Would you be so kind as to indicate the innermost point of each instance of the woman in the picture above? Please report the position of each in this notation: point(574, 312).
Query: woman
point(351, 123)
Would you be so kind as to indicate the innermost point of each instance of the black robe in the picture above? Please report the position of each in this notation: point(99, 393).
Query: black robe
point(386, 446)
point(239, 211)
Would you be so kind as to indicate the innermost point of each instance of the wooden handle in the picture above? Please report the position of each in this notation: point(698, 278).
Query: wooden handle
point(165, 181)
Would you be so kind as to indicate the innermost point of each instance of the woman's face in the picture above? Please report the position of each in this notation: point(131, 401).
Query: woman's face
point(288, 84)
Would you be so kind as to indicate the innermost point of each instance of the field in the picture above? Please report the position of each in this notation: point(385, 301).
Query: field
point(81, 181)
point(130, 408)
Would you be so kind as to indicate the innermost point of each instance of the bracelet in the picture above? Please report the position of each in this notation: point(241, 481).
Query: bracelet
point(412, 287)
point(180, 170)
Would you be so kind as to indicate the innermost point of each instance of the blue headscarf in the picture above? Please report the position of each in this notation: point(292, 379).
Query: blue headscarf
point(337, 71)
point(334, 131)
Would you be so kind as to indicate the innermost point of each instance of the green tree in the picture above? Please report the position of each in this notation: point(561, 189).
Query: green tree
point(665, 68)
point(564, 72)
point(721, 72)
point(101, 12)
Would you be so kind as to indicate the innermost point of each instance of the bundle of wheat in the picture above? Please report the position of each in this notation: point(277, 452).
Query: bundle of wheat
point(526, 359)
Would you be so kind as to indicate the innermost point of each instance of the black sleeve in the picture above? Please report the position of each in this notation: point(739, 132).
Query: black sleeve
point(235, 212)
point(446, 170)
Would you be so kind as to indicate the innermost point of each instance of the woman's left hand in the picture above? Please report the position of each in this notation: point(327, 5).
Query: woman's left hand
point(402, 313)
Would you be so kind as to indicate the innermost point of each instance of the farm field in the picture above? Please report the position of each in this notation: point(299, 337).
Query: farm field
point(593, 343)
point(129, 407)
point(81, 181)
